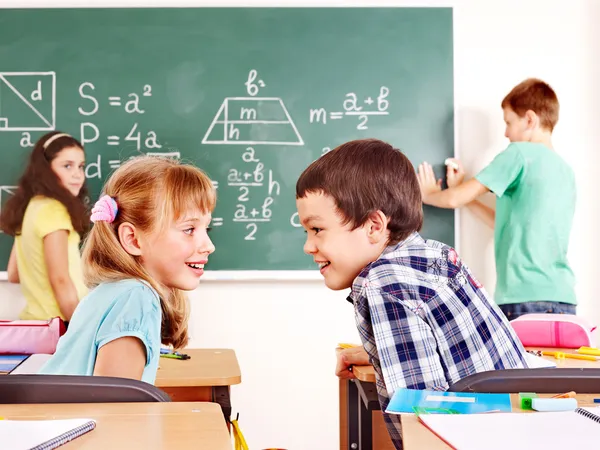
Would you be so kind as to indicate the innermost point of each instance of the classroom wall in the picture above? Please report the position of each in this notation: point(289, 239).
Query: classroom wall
point(284, 333)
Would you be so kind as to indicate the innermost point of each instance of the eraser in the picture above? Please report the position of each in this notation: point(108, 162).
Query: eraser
point(554, 404)
point(526, 398)
point(451, 163)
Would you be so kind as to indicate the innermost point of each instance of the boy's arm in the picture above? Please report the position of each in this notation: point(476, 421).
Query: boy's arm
point(483, 212)
point(451, 198)
point(405, 343)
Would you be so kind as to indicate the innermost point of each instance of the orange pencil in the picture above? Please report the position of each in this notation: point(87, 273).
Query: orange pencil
point(570, 394)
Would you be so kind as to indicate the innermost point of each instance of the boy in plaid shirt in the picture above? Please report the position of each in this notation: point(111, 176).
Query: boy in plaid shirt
point(424, 320)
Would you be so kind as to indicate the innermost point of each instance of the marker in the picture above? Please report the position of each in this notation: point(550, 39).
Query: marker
point(172, 356)
point(589, 351)
point(166, 351)
point(452, 164)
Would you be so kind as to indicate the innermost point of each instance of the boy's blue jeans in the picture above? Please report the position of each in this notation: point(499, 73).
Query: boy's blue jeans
point(514, 310)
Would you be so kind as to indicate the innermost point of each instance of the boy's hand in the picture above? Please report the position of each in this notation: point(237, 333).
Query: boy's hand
point(454, 177)
point(349, 357)
point(427, 181)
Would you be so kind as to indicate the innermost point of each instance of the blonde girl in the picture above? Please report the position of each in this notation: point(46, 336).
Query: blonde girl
point(148, 245)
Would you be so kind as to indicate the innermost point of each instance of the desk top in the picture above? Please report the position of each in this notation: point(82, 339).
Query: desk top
point(367, 373)
point(207, 367)
point(416, 436)
point(133, 426)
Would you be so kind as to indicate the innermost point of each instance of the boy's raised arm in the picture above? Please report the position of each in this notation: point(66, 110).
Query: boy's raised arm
point(453, 197)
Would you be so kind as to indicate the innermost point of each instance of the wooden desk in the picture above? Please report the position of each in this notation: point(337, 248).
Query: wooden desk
point(143, 426)
point(367, 373)
point(362, 421)
point(206, 377)
point(416, 436)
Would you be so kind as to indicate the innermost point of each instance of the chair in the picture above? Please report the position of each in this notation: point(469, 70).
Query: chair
point(18, 389)
point(543, 381)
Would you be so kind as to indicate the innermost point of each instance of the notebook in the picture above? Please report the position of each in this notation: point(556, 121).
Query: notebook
point(536, 362)
point(443, 402)
point(31, 365)
point(517, 431)
point(9, 362)
point(41, 434)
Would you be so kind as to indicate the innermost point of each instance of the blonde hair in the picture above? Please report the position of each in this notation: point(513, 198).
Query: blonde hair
point(151, 192)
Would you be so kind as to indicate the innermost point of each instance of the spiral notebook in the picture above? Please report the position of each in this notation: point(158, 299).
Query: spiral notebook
point(517, 431)
point(41, 434)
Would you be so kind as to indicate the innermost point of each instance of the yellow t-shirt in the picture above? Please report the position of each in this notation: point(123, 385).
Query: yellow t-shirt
point(42, 217)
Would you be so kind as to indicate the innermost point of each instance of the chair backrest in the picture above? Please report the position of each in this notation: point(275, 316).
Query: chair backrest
point(76, 389)
point(543, 381)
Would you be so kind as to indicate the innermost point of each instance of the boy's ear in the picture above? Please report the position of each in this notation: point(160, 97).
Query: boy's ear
point(377, 229)
point(532, 119)
point(128, 235)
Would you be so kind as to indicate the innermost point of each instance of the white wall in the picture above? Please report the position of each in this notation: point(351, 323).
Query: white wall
point(284, 333)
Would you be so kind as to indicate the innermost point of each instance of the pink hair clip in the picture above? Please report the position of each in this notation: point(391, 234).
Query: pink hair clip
point(105, 210)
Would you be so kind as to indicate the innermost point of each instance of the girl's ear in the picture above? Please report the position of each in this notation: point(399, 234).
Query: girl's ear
point(129, 238)
point(377, 230)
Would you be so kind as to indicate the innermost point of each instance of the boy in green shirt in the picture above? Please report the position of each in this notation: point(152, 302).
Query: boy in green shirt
point(536, 193)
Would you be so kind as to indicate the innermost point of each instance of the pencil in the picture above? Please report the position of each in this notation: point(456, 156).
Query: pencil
point(343, 345)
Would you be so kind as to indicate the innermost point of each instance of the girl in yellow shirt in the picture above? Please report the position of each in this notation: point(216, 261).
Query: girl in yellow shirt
point(47, 216)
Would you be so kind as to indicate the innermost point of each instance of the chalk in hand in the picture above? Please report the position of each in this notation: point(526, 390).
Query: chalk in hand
point(451, 163)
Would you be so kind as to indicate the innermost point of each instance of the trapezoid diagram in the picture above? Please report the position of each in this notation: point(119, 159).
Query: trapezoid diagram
point(27, 101)
point(252, 121)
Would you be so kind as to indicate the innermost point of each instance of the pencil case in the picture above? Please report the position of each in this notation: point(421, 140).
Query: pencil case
point(553, 330)
point(27, 337)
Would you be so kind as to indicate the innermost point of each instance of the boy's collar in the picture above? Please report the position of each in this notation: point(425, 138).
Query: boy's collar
point(413, 239)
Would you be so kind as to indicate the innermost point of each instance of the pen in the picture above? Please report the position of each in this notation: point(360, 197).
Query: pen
point(562, 355)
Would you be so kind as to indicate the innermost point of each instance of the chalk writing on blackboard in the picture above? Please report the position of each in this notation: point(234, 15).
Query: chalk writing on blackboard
point(253, 120)
point(352, 108)
point(27, 101)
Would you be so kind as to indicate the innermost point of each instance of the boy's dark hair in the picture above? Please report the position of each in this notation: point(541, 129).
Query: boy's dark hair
point(365, 176)
point(537, 96)
point(40, 179)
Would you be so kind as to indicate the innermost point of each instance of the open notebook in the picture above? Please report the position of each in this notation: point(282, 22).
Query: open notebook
point(41, 434)
point(518, 431)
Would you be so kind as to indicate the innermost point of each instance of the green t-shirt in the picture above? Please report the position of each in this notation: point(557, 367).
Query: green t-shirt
point(534, 212)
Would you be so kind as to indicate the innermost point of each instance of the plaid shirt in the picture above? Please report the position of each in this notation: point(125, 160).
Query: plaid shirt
point(426, 322)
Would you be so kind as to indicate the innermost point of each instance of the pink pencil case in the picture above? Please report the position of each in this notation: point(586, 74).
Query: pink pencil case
point(30, 336)
point(553, 330)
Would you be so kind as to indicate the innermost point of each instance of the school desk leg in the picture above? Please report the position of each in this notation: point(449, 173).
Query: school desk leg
point(353, 413)
point(215, 394)
point(343, 391)
point(221, 395)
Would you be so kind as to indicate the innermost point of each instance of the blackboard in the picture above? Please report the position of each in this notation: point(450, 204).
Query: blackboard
point(251, 95)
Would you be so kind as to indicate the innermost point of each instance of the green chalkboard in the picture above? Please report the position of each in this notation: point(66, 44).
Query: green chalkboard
point(251, 95)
